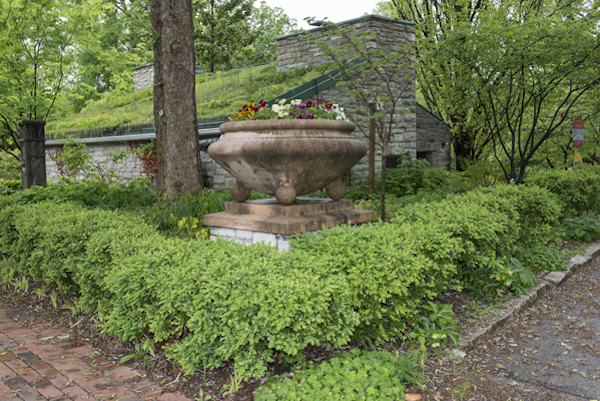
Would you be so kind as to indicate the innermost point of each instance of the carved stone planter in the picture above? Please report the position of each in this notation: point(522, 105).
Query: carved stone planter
point(287, 158)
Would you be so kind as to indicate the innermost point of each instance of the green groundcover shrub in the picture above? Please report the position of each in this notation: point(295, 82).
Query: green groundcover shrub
point(353, 375)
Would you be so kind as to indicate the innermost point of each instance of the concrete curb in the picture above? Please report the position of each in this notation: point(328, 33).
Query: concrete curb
point(468, 341)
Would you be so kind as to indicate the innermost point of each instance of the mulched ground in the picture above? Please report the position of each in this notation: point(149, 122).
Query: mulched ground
point(475, 377)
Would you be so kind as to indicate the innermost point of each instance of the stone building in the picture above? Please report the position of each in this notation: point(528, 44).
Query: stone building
point(420, 134)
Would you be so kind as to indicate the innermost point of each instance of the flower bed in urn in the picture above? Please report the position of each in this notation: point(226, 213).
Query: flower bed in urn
point(288, 150)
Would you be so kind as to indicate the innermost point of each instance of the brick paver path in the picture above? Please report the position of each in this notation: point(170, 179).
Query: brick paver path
point(40, 362)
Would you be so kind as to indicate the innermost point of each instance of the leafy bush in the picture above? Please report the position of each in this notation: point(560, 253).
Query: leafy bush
point(93, 193)
point(410, 178)
point(390, 268)
point(474, 244)
point(51, 242)
point(9, 187)
point(353, 375)
point(514, 217)
point(537, 210)
point(413, 176)
point(585, 228)
point(436, 327)
point(10, 167)
point(216, 301)
point(540, 257)
point(578, 189)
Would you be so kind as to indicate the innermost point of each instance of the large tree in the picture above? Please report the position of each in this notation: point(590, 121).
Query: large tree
point(529, 66)
point(175, 119)
point(438, 83)
point(36, 58)
point(120, 39)
point(266, 23)
point(222, 31)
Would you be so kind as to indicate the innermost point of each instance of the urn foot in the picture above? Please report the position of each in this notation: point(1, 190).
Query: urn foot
point(336, 190)
point(240, 191)
point(286, 194)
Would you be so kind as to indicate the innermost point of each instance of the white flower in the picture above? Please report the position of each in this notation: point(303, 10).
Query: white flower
point(434, 345)
point(295, 102)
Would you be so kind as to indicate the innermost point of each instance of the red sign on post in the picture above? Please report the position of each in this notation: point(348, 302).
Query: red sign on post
point(578, 132)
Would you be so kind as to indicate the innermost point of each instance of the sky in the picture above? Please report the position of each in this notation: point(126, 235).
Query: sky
point(334, 10)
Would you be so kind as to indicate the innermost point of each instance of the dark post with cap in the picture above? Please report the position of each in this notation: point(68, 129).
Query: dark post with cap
point(33, 152)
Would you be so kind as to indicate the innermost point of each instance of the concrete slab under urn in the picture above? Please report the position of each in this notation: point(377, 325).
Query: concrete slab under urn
point(268, 216)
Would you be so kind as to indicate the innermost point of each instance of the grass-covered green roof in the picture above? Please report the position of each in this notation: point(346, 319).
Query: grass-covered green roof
point(217, 95)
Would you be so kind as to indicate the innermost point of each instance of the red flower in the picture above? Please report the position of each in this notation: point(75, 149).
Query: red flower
point(328, 106)
point(309, 104)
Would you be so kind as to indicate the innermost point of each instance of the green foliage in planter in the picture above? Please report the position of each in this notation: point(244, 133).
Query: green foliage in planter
point(578, 189)
point(353, 375)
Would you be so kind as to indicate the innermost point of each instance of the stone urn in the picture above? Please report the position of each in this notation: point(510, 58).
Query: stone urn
point(287, 158)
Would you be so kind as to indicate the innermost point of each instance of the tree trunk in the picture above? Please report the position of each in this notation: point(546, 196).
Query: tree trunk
point(178, 149)
point(384, 153)
point(372, 131)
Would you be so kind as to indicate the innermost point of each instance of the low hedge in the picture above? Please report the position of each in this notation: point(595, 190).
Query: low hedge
point(237, 303)
point(215, 301)
point(577, 189)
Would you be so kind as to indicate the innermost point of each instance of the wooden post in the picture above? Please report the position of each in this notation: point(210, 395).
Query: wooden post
point(371, 149)
point(33, 152)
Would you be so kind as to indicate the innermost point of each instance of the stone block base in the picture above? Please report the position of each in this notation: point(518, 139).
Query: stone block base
point(247, 237)
point(307, 214)
point(266, 220)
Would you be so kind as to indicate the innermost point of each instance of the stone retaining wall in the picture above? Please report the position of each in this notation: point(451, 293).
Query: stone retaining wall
point(130, 167)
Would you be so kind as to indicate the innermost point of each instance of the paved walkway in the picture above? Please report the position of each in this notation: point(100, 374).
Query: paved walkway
point(40, 362)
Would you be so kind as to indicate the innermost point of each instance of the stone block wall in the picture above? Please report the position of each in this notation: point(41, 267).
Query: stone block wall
point(433, 139)
point(295, 51)
point(143, 77)
point(130, 168)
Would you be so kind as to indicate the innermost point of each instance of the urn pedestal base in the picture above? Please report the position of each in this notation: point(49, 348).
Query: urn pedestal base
point(251, 220)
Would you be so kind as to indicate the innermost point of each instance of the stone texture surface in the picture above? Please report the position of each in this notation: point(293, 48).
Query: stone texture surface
point(143, 77)
point(128, 169)
point(296, 51)
point(286, 158)
point(433, 139)
point(273, 218)
point(247, 237)
point(214, 176)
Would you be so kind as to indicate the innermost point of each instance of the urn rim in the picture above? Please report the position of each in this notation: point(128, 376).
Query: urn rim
point(276, 124)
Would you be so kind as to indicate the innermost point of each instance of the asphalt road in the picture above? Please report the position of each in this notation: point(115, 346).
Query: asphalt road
point(551, 352)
